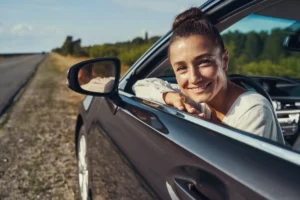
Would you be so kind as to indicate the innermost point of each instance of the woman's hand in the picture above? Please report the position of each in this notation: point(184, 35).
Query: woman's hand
point(179, 101)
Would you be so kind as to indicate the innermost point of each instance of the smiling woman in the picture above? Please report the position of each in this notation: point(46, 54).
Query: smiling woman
point(161, 152)
point(200, 63)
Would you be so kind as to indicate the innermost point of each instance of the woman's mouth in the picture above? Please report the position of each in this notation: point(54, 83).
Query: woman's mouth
point(200, 89)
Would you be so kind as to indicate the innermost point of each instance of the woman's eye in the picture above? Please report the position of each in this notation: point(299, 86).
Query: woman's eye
point(181, 68)
point(204, 62)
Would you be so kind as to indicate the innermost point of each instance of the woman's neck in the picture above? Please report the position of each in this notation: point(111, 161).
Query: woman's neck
point(222, 102)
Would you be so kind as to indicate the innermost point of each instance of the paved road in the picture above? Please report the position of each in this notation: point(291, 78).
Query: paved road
point(14, 73)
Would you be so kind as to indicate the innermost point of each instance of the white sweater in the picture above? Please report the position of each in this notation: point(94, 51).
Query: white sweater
point(251, 112)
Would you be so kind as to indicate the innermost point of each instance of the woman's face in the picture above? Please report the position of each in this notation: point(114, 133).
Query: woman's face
point(199, 67)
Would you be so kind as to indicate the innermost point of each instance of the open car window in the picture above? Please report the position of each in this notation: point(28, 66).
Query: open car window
point(256, 50)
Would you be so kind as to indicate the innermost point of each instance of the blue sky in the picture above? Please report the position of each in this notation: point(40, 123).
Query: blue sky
point(259, 23)
point(41, 25)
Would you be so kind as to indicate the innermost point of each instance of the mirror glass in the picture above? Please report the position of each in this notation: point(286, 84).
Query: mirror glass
point(98, 76)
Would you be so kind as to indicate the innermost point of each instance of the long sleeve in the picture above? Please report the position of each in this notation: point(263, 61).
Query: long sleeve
point(153, 89)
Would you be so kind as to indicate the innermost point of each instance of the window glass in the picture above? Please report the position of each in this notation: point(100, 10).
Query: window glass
point(255, 46)
point(256, 50)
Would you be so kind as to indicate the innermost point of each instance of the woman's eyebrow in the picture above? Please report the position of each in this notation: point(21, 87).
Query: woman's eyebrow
point(203, 56)
point(178, 63)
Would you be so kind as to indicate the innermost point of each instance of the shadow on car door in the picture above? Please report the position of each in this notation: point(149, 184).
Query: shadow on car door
point(184, 160)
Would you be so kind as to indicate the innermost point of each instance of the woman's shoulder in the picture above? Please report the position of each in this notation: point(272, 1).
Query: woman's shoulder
point(248, 101)
point(251, 98)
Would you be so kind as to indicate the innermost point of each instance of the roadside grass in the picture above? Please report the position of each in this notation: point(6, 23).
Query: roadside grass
point(124, 69)
point(37, 150)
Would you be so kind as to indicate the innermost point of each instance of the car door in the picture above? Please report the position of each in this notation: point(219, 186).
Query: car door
point(179, 156)
point(195, 159)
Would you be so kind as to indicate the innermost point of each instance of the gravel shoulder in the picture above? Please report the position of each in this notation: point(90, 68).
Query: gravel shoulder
point(37, 150)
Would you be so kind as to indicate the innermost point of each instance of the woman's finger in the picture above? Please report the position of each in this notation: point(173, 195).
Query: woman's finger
point(179, 105)
point(202, 115)
point(190, 108)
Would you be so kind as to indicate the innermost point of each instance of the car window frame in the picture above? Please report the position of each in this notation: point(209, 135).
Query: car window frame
point(263, 144)
point(249, 139)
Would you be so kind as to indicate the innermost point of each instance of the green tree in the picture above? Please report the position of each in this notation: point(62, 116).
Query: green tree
point(146, 36)
point(273, 49)
point(67, 47)
point(138, 41)
point(252, 46)
point(77, 50)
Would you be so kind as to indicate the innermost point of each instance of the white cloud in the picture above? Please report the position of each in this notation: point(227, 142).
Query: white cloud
point(167, 6)
point(25, 30)
point(21, 29)
point(29, 37)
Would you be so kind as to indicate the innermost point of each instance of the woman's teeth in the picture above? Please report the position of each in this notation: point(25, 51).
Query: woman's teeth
point(200, 88)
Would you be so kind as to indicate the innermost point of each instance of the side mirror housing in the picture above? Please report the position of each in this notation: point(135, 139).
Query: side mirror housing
point(96, 77)
point(292, 42)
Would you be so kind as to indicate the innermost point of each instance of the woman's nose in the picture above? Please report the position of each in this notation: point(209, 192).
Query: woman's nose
point(194, 76)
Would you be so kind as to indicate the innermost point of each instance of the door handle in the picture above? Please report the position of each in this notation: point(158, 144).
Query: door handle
point(190, 189)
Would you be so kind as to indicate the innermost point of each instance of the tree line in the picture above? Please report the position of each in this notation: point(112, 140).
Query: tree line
point(253, 53)
point(128, 52)
point(261, 53)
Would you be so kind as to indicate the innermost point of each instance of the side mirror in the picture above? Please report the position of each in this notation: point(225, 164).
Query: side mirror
point(292, 42)
point(97, 77)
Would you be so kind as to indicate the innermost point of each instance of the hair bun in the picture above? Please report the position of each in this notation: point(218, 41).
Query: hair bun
point(192, 14)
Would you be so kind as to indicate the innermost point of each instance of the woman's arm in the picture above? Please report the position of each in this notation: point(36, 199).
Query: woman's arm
point(153, 89)
point(161, 91)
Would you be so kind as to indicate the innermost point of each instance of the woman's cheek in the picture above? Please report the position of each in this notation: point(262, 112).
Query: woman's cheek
point(209, 72)
point(182, 81)
point(222, 75)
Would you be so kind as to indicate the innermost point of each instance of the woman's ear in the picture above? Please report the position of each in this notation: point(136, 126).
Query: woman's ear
point(225, 59)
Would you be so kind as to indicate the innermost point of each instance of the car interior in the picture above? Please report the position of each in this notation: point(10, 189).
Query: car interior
point(160, 66)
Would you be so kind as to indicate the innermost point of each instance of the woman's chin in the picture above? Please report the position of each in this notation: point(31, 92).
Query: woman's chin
point(200, 98)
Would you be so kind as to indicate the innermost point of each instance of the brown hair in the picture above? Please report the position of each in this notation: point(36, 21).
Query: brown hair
point(192, 22)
